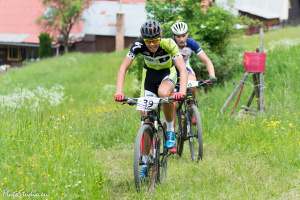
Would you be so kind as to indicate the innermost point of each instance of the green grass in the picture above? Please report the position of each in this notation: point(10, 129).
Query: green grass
point(272, 39)
point(82, 148)
point(51, 149)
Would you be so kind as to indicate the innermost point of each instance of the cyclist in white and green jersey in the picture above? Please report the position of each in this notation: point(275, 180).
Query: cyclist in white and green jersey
point(161, 56)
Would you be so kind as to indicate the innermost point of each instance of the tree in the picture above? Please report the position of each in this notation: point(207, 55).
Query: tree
point(212, 29)
point(61, 16)
point(45, 49)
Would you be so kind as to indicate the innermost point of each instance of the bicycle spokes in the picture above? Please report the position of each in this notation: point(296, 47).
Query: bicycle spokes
point(146, 161)
point(190, 129)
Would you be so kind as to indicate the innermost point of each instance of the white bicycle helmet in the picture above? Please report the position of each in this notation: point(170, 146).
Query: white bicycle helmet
point(179, 28)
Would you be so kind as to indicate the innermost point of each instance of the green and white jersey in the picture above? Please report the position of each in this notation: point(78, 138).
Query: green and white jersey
point(161, 59)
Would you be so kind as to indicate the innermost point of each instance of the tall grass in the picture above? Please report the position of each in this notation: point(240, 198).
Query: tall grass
point(81, 146)
point(50, 148)
point(245, 157)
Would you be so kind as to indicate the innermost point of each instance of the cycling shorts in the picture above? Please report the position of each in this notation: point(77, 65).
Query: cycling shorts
point(153, 78)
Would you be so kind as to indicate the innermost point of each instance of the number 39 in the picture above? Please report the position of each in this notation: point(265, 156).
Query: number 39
point(148, 103)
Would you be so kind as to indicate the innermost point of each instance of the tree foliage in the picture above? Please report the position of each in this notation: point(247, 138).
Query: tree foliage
point(61, 16)
point(211, 29)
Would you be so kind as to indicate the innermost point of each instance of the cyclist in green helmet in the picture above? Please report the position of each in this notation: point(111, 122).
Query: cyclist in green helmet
point(162, 57)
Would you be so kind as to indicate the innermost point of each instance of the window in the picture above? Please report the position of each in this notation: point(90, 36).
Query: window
point(14, 54)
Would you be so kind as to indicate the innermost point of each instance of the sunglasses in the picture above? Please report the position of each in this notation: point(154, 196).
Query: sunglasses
point(154, 41)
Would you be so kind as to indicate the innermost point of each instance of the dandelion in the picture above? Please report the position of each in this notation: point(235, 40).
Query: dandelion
point(291, 125)
point(273, 124)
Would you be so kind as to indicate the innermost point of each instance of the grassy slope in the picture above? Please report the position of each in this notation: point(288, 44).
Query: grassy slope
point(271, 38)
point(245, 158)
point(52, 150)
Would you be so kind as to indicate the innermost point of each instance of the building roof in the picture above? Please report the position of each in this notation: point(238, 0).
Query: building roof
point(18, 19)
point(125, 1)
point(268, 9)
point(100, 18)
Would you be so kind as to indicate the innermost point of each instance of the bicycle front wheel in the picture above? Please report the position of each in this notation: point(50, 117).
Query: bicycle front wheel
point(162, 154)
point(146, 160)
point(181, 132)
point(194, 129)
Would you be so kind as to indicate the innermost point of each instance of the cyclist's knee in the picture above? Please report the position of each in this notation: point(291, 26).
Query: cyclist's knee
point(164, 92)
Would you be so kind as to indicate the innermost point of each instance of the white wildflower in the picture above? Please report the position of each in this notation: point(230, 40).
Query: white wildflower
point(284, 43)
point(32, 98)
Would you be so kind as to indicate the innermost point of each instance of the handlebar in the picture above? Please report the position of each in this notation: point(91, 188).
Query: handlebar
point(133, 101)
point(200, 83)
point(205, 82)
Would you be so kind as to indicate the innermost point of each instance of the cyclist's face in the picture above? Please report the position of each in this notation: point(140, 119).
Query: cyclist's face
point(152, 44)
point(181, 39)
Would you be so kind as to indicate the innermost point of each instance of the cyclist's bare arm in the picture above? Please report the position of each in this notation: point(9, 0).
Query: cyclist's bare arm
point(121, 74)
point(209, 65)
point(180, 65)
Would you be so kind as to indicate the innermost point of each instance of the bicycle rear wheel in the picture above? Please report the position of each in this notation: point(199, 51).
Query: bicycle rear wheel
point(145, 154)
point(194, 133)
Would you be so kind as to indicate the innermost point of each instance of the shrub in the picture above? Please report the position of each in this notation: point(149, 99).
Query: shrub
point(226, 65)
point(212, 30)
point(45, 49)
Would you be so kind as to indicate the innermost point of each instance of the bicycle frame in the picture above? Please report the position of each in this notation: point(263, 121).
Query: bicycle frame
point(152, 118)
point(189, 100)
point(185, 106)
point(148, 149)
point(189, 121)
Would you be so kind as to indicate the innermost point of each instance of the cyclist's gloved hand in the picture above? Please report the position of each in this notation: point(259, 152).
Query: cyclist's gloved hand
point(213, 79)
point(119, 97)
point(178, 96)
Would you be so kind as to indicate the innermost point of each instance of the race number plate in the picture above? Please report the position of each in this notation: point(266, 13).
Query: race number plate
point(147, 103)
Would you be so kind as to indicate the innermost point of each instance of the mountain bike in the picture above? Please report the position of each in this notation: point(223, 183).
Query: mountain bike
point(149, 150)
point(189, 122)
